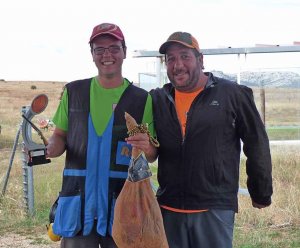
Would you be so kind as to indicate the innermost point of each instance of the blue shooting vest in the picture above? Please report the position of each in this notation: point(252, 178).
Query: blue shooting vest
point(96, 166)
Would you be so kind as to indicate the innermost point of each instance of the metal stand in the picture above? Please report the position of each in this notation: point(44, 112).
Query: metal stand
point(27, 175)
point(32, 153)
point(28, 188)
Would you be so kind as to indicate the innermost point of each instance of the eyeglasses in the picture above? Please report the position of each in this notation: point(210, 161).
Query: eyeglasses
point(111, 49)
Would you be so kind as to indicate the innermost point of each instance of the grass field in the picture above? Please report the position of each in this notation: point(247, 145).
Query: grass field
point(277, 226)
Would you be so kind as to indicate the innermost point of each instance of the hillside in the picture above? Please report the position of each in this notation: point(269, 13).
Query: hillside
point(277, 79)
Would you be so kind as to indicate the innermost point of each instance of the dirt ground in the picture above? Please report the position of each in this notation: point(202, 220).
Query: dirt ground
point(18, 241)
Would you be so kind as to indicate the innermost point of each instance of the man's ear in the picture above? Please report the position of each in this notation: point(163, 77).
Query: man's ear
point(200, 57)
point(91, 49)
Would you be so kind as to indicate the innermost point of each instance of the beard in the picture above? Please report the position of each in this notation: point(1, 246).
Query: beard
point(185, 81)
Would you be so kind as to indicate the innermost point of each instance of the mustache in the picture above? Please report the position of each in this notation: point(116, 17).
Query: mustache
point(178, 71)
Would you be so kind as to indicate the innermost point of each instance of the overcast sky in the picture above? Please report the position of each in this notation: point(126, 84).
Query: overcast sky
point(48, 40)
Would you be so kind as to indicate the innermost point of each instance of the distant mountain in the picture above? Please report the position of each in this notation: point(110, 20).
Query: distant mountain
point(277, 79)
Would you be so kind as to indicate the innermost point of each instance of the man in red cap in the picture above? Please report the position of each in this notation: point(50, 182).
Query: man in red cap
point(91, 128)
point(200, 121)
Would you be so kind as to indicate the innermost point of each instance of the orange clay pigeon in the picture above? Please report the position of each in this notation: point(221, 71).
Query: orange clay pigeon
point(137, 218)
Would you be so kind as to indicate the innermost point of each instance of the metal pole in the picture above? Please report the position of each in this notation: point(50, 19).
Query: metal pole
point(11, 159)
point(263, 104)
point(25, 176)
point(158, 71)
point(28, 176)
point(239, 69)
point(30, 191)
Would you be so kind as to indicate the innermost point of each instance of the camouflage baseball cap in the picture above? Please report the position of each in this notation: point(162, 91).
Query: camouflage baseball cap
point(183, 38)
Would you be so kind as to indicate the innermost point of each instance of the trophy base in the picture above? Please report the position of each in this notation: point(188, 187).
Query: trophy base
point(36, 157)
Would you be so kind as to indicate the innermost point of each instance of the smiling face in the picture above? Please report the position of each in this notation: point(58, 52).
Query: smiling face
point(184, 68)
point(110, 62)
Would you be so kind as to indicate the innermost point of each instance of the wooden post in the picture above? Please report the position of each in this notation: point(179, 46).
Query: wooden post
point(263, 104)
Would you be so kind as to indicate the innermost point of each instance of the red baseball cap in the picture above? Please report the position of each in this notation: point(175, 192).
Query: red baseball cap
point(107, 28)
point(182, 38)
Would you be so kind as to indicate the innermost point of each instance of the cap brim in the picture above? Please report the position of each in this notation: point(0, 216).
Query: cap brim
point(164, 46)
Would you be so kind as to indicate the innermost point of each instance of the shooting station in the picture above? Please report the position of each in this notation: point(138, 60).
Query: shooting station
point(33, 153)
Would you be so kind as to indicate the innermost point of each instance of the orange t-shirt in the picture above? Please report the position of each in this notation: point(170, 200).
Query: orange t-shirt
point(183, 103)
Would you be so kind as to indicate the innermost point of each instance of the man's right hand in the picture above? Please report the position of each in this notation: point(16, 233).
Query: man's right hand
point(142, 142)
point(56, 143)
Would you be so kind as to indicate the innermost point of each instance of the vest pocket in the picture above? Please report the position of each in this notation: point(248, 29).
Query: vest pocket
point(123, 153)
point(67, 222)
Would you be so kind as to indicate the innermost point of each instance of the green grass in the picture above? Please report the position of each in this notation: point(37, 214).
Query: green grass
point(284, 133)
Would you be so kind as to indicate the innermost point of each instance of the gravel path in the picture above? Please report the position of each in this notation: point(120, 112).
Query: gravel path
point(18, 241)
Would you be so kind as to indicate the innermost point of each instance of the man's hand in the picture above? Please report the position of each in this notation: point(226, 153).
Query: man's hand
point(259, 206)
point(141, 141)
point(56, 143)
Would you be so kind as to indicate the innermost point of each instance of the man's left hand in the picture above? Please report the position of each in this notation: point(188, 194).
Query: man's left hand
point(257, 205)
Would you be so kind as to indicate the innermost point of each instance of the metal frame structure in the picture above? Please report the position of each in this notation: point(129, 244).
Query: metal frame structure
point(220, 51)
point(229, 50)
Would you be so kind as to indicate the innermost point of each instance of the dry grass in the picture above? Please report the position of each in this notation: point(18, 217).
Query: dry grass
point(279, 224)
point(276, 226)
point(285, 208)
point(282, 106)
point(47, 178)
point(14, 95)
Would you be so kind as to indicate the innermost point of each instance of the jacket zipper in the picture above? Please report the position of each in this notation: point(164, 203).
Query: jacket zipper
point(171, 99)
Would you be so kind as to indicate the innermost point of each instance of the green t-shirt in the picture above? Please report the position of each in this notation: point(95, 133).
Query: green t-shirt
point(102, 103)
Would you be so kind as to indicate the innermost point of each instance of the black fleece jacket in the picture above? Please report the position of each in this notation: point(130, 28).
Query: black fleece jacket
point(201, 170)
